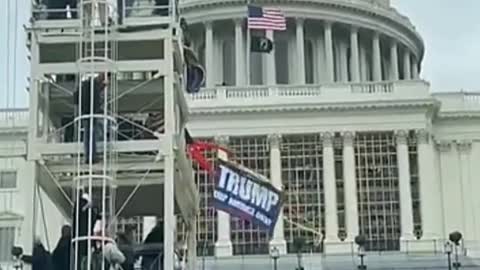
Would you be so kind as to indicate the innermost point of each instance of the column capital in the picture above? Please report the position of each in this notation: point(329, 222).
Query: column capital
point(327, 139)
point(464, 146)
point(393, 43)
point(238, 21)
point(274, 140)
point(348, 137)
point(376, 34)
point(443, 146)
point(354, 29)
point(208, 24)
point(423, 136)
point(221, 140)
point(401, 136)
point(327, 23)
point(299, 20)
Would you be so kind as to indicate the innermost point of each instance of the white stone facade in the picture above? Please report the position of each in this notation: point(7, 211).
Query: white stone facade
point(343, 76)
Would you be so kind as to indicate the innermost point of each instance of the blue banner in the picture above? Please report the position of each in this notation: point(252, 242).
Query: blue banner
point(244, 195)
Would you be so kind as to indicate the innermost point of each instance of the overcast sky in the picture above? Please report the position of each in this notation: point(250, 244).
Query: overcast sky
point(450, 29)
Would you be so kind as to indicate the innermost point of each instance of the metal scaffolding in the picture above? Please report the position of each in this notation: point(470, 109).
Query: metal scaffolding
point(128, 167)
point(97, 73)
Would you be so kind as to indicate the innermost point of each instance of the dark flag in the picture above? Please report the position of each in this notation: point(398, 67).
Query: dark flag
point(261, 44)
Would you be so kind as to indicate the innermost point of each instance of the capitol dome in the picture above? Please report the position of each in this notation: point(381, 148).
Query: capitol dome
point(325, 42)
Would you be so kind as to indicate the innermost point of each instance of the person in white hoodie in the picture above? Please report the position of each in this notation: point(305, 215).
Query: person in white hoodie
point(109, 252)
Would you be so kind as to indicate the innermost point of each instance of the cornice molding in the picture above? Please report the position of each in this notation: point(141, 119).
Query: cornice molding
point(459, 114)
point(314, 108)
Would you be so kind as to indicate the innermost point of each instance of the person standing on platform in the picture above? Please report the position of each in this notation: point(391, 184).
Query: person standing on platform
point(61, 253)
point(87, 95)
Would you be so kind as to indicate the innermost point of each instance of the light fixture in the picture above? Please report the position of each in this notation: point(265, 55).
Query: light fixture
point(274, 254)
point(448, 251)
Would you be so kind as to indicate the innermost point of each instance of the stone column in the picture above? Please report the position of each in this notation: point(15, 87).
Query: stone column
point(209, 57)
point(223, 246)
point(329, 51)
point(468, 192)
point(354, 55)
point(406, 211)
point(377, 59)
point(270, 76)
point(239, 57)
point(330, 189)
point(300, 51)
point(406, 65)
point(415, 74)
point(350, 186)
point(430, 188)
point(394, 61)
point(278, 239)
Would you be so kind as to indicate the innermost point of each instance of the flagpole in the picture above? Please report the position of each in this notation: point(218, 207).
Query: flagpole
point(247, 61)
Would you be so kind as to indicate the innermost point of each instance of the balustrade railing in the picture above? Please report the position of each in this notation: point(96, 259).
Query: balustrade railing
point(459, 101)
point(311, 93)
point(14, 118)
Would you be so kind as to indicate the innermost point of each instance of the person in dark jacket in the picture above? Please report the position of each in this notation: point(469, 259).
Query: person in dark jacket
point(84, 100)
point(83, 205)
point(61, 253)
point(40, 259)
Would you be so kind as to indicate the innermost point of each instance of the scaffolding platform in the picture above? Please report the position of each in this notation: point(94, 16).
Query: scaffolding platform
point(147, 168)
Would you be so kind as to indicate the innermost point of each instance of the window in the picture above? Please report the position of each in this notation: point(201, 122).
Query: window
point(302, 178)
point(8, 179)
point(378, 192)
point(7, 240)
point(253, 153)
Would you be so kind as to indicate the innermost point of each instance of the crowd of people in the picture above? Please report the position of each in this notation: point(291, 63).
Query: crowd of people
point(119, 253)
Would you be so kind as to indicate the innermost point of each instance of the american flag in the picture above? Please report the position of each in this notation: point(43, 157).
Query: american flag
point(266, 18)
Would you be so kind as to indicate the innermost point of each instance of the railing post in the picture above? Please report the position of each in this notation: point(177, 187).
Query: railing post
point(273, 91)
point(221, 93)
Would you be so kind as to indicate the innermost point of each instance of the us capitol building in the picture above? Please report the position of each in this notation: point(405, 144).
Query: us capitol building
point(338, 117)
